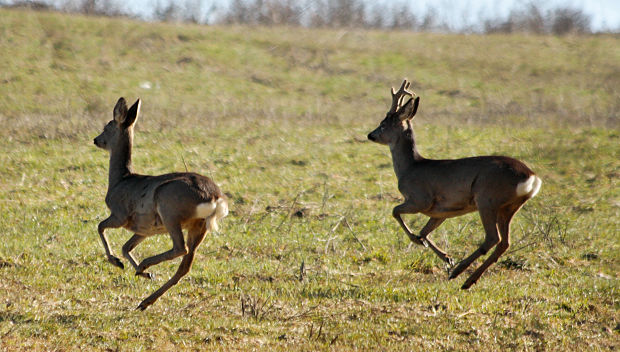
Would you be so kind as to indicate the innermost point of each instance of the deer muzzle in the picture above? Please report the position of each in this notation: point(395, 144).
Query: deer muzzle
point(98, 143)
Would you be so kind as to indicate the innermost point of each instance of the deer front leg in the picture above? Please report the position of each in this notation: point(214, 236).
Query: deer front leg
point(407, 208)
point(431, 225)
point(110, 222)
point(128, 247)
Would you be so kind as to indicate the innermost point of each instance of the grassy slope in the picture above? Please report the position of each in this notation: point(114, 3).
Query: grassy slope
point(278, 118)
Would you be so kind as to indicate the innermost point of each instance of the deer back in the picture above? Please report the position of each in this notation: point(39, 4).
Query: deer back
point(141, 199)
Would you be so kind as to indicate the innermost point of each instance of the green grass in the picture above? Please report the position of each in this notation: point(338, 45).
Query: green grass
point(278, 118)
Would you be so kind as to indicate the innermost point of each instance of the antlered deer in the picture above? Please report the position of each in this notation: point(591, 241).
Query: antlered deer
point(496, 186)
point(149, 205)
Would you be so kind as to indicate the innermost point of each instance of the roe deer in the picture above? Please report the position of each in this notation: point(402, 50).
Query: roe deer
point(149, 205)
point(496, 186)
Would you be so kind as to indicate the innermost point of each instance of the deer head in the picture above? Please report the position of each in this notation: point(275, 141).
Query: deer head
point(120, 127)
point(396, 121)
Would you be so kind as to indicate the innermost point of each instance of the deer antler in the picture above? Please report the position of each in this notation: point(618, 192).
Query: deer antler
point(397, 97)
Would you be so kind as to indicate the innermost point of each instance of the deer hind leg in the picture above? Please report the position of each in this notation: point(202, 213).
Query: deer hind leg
point(128, 247)
point(195, 235)
point(111, 222)
point(179, 249)
point(431, 225)
point(406, 208)
point(504, 217)
point(489, 221)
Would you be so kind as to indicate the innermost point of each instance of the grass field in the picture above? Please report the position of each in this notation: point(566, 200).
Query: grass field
point(278, 117)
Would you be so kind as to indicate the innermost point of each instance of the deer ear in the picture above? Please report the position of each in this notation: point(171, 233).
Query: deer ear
point(132, 114)
point(407, 112)
point(120, 110)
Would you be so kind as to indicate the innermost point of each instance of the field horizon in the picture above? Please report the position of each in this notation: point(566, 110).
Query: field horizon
point(310, 257)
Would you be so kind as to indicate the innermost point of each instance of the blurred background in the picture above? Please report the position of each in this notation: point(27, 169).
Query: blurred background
point(466, 16)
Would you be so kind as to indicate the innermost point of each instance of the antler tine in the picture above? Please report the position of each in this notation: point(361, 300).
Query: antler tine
point(397, 97)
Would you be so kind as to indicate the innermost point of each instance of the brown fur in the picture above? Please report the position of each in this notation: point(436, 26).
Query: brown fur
point(442, 189)
point(150, 205)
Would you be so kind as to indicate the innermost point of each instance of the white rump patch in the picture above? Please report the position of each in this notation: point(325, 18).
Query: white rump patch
point(536, 187)
point(221, 208)
point(203, 210)
point(529, 187)
point(217, 210)
point(212, 212)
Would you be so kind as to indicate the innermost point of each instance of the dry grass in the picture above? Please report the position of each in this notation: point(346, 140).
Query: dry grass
point(278, 117)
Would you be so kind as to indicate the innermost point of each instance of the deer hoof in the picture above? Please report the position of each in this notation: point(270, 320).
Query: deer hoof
point(457, 270)
point(424, 242)
point(450, 262)
point(116, 262)
point(467, 285)
point(453, 273)
point(141, 267)
point(145, 304)
point(149, 276)
point(417, 240)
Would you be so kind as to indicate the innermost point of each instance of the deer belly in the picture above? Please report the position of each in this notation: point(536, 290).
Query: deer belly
point(146, 224)
point(449, 210)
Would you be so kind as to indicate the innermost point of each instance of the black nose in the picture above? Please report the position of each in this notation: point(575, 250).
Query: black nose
point(371, 137)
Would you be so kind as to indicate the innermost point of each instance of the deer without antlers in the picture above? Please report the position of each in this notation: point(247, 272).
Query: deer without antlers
point(496, 186)
point(149, 205)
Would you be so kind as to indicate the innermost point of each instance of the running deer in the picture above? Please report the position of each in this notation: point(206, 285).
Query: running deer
point(496, 186)
point(150, 205)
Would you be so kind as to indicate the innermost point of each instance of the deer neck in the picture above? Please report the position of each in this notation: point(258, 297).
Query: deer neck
point(405, 153)
point(120, 159)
